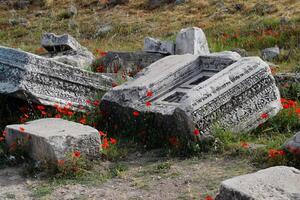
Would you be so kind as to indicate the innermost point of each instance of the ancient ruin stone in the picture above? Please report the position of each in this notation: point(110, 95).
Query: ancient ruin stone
point(155, 45)
point(130, 62)
point(293, 144)
point(191, 91)
point(49, 140)
point(192, 41)
point(270, 54)
point(276, 183)
point(65, 49)
point(44, 81)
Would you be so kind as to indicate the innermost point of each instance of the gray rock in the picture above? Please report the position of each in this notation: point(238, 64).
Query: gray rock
point(65, 49)
point(155, 45)
point(45, 81)
point(276, 183)
point(270, 54)
point(293, 144)
point(21, 4)
point(49, 140)
point(192, 41)
point(72, 11)
point(152, 4)
point(198, 91)
point(103, 31)
point(130, 62)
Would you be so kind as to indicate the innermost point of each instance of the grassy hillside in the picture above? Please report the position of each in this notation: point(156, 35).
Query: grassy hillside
point(243, 24)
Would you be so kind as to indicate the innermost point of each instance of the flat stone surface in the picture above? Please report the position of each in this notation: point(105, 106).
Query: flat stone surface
point(44, 81)
point(194, 91)
point(51, 139)
point(191, 41)
point(276, 183)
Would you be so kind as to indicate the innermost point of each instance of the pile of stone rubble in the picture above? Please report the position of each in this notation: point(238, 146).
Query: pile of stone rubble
point(191, 88)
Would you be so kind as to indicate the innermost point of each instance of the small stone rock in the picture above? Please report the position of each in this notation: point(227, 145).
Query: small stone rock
point(49, 140)
point(103, 31)
point(178, 2)
point(270, 54)
point(117, 2)
point(72, 11)
point(293, 144)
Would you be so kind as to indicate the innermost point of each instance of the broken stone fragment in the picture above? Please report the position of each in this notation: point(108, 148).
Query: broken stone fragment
point(270, 54)
point(293, 144)
point(64, 48)
point(191, 91)
point(44, 81)
point(191, 41)
point(155, 45)
point(49, 140)
point(276, 183)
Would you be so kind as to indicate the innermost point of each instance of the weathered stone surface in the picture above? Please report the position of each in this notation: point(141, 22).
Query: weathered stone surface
point(293, 144)
point(155, 45)
point(50, 139)
point(44, 81)
point(242, 52)
point(276, 183)
point(129, 61)
point(191, 41)
point(65, 49)
point(287, 78)
point(270, 54)
point(199, 91)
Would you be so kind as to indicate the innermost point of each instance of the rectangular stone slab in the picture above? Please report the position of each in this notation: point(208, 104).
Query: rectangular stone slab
point(41, 80)
point(191, 91)
point(275, 183)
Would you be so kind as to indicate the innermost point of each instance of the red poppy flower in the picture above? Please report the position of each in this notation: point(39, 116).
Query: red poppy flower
point(43, 113)
point(88, 101)
point(149, 94)
point(282, 100)
point(113, 141)
point(114, 85)
point(96, 102)
point(102, 134)
point(148, 103)
point(173, 141)
point(244, 145)
point(41, 107)
point(100, 69)
point(196, 132)
point(21, 129)
point(264, 115)
point(57, 116)
point(101, 52)
point(69, 104)
point(292, 103)
point(70, 113)
point(61, 162)
point(82, 120)
point(76, 154)
point(285, 106)
point(4, 133)
point(273, 153)
point(105, 144)
point(209, 198)
point(136, 113)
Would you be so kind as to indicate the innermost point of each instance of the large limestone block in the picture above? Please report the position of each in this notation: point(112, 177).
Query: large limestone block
point(275, 183)
point(191, 91)
point(65, 49)
point(191, 41)
point(44, 81)
point(49, 140)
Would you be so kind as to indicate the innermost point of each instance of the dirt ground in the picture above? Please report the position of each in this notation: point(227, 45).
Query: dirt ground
point(147, 176)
